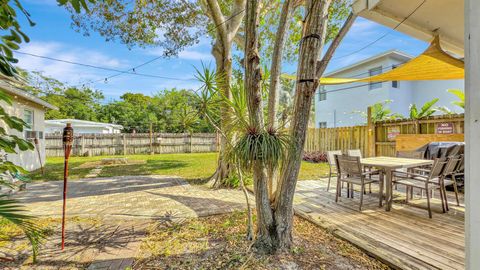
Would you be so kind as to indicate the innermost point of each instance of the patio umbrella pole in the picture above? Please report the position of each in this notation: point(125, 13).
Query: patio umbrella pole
point(67, 147)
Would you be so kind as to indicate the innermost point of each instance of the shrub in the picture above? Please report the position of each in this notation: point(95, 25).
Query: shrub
point(315, 157)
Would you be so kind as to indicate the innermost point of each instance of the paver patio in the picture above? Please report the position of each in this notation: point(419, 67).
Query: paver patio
point(125, 207)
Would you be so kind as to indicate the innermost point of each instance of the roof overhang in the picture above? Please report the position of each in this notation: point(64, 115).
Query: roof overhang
point(442, 17)
point(17, 92)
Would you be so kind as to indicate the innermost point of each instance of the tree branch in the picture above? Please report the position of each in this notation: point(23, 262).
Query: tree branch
point(236, 18)
point(239, 41)
point(218, 19)
point(322, 64)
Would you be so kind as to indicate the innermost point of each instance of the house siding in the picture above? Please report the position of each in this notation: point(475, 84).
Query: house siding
point(29, 160)
point(348, 107)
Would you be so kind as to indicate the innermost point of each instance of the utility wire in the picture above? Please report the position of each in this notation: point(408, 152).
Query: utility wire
point(384, 35)
point(106, 68)
point(158, 57)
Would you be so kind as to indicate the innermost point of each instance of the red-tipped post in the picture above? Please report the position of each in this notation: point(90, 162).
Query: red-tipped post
point(67, 147)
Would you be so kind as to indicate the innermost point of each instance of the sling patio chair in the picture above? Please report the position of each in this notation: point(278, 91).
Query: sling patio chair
point(450, 172)
point(358, 153)
point(424, 179)
point(332, 165)
point(350, 171)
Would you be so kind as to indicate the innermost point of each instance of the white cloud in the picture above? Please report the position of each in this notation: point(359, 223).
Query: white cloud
point(195, 55)
point(66, 72)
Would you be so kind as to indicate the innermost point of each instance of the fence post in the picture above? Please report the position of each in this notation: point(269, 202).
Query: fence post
point(82, 141)
point(371, 133)
point(124, 144)
point(191, 141)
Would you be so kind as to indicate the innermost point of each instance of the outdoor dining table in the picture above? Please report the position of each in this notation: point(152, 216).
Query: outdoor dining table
point(387, 165)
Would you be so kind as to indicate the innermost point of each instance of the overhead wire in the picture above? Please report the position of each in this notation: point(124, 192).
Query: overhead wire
point(384, 35)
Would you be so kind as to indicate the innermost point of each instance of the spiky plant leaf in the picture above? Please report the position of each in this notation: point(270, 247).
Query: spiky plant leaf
point(14, 212)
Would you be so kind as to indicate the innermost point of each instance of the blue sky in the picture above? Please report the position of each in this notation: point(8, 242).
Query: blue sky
point(53, 37)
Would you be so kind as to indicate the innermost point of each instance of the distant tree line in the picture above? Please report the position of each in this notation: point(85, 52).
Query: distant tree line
point(168, 110)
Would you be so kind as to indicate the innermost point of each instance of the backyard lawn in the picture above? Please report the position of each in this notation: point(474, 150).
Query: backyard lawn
point(191, 166)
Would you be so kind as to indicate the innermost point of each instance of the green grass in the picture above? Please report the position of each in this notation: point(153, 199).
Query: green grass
point(191, 166)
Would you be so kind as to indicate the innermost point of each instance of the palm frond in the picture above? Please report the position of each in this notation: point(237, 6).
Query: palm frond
point(12, 211)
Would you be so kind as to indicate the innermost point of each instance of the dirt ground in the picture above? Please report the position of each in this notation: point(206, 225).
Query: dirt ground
point(218, 242)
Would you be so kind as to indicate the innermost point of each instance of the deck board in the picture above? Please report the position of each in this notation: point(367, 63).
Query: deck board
point(404, 238)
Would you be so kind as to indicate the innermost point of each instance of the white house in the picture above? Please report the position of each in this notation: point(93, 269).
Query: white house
point(346, 104)
point(81, 127)
point(32, 110)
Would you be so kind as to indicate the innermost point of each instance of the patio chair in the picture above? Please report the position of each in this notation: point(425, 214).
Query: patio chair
point(331, 164)
point(358, 153)
point(350, 171)
point(454, 165)
point(412, 155)
point(354, 153)
point(424, 180)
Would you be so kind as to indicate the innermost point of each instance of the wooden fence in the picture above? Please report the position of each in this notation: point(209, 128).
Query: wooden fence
point(373, 139)
point(378, 139)
point(343, 138)
point(385, 132)
point(128, 144)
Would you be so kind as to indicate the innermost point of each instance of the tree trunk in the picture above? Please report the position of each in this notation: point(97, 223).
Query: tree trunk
point(307, 82)
point(274, 88)
point(225, 29)
point(308, 74)
point(223, 60)
point(265, 237)
point(276, 65)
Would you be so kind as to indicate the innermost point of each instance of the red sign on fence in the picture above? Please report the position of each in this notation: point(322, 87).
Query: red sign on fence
point(392, 133)
point(445, 128)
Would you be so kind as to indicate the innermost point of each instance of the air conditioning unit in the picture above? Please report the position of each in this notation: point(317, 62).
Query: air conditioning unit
point(32, 134)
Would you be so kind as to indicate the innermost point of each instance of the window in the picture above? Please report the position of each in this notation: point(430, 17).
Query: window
point(322, 94)
point(395, 84)
point(28, 118)
point(322, 124)
point(373, 72)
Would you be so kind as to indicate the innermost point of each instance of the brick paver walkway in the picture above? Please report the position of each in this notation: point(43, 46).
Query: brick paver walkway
point(125, 205)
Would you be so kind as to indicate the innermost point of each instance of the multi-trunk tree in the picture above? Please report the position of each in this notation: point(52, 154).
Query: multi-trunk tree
point(275, 215)
point(175, 25)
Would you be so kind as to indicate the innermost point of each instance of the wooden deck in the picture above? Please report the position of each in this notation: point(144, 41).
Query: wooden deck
point(404, 238)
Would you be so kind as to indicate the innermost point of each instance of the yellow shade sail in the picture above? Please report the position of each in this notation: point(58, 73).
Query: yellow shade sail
point(432, 64)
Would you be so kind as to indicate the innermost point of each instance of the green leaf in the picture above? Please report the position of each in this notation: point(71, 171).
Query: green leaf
point(427, 108)
point(5, 97)
point(461, 95)
point(413, 111)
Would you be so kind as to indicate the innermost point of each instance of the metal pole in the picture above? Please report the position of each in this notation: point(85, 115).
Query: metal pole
point(37, 145)
point(67, 147)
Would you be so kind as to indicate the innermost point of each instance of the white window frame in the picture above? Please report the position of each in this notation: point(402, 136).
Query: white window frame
point(32, 114)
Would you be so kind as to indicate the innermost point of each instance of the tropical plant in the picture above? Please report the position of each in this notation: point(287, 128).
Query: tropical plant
point(381, 112)
point(460, 95)
point(426, 110)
